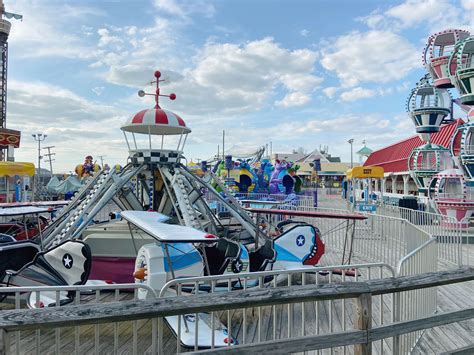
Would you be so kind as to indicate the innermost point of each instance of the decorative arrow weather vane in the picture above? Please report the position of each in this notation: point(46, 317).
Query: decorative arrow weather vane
point(157, 94)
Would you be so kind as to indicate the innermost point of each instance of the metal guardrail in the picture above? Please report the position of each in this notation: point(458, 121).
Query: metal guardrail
point(287, 278)
point(289, 201)
point(417, 303)
point(211, 284)
point(95, 294)
point(398, 242)
point(447, 231)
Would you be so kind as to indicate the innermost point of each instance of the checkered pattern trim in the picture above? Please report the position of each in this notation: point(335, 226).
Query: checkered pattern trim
point(155, 157)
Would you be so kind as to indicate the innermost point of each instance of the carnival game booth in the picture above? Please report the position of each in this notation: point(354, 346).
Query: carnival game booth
point(360, 194)
point(16, 181)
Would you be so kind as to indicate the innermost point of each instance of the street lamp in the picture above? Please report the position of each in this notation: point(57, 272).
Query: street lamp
point(350, 141)
point(39, 137)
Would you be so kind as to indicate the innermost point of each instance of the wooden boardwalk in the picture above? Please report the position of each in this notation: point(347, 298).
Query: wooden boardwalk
point(451, 298)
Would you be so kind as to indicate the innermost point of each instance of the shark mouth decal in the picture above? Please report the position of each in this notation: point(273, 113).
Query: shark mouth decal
point(316, 252)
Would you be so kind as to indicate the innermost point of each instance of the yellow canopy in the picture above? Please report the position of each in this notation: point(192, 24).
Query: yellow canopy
point(365, 172)
point(10, 168)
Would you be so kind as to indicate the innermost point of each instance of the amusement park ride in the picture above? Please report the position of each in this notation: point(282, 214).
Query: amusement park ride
point(449, 60)
point(169, 228)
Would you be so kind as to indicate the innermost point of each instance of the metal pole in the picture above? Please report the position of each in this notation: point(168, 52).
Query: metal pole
point(50, 163)
point(50, 159)
point(257, 231)
point(101, 157)
point(39, 137)
point(350, 141)
point(223, 142)
point(39, 158)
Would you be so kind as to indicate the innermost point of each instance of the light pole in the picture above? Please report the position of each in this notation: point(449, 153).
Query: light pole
point(39, 137)
point(351, 187)
point(350, 141)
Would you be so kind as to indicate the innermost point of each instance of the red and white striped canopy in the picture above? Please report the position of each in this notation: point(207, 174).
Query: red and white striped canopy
point(156, 121)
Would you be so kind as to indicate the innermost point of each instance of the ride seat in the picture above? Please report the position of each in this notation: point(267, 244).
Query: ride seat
point(6, 238)
point(220, 255)
point(11, 228)
point(224, 214)
point(260, 258)
point(15, 255)
point(283, 226)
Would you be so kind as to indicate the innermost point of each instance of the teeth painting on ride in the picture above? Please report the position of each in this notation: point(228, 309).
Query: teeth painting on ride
point(299, 246)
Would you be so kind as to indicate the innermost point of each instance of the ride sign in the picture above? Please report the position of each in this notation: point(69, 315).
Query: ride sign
point(367, 208)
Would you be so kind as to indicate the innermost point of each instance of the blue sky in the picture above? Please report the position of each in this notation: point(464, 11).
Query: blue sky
point(297, 73)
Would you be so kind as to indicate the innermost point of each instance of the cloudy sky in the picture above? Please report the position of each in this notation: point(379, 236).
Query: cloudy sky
point(299, 73)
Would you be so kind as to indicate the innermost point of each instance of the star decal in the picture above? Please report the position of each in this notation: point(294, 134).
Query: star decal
point(67, 261)
point(300, 241)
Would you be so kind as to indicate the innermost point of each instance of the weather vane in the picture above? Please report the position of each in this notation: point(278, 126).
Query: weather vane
point(157, 94)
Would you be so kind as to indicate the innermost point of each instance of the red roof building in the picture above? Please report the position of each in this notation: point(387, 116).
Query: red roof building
point(394, 158)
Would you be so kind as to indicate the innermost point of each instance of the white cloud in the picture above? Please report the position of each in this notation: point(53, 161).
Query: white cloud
point(186, 8)
point(293, 99)
point(413, 12)
point(42, 33)
point(330, 91)
point(304, 32)
point(467, 4)
point(374, 56)
point(356, 94)
point(106, 39)
point(436, 14)
point(140, 52)
point(98, 90)
point(75, 125)
point(224, 78)
point(339, 129)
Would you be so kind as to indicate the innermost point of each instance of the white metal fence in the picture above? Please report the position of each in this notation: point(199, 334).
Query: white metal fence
point(263, 200)
point(292, 320)
point(421, 302)
point(454, 242)
point(78, 340)
point(251, 325)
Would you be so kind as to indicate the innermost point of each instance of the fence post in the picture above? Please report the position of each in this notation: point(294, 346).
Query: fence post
point(160, 334)
point(396, 318)
point(5, 343)
point(460, 241)
point(363, 322)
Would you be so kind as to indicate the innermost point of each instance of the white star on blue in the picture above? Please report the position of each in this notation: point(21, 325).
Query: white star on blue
point(300, 241)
